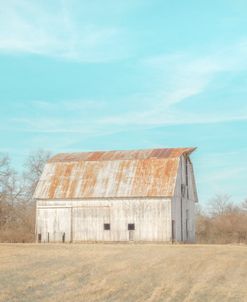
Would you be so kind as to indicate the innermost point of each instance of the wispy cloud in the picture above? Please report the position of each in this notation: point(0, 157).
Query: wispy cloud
point(180, 77)
point(32, 27)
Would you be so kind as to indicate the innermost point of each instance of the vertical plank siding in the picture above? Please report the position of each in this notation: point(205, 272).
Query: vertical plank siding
point(183, 204)
point(55, 222)
point(85, 219)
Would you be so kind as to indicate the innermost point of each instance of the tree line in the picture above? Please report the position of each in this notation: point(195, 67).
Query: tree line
point(220, 221)
point(17, 206)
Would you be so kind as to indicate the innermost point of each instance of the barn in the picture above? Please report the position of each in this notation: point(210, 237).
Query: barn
point(137, 195)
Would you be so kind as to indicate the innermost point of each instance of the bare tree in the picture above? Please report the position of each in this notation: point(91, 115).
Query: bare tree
point(225, 222)
point(199, 210)
point(220, 205)
point(5, 177)
point(244, 205)
point(17, 209)
point(34, 166)
point(4, 180)
point(9, 189)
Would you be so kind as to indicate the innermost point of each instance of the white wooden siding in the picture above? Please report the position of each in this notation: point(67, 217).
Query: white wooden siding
point(52, 223)
point(181, 204)
point(83, 220)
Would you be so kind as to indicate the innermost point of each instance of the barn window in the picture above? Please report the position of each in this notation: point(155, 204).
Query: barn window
point(107, 226)
point(131, 226)
point(183, 190)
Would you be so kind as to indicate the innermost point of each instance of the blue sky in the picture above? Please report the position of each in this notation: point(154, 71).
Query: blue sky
point(102, 75)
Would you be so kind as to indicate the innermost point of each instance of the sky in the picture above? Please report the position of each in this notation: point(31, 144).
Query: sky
point(81, 75)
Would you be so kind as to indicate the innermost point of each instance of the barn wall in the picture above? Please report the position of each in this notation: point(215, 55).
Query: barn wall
point(53, 223)
point(183, 203)
point(83, 220)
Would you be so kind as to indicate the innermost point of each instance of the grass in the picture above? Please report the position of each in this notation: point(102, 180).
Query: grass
point(122, 272)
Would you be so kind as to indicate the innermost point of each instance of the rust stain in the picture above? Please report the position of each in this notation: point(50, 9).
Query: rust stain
point(66, 178)
point(121, 155)
point(122, 175)
point(54, 181)
point(136, 173)
point(90, 176)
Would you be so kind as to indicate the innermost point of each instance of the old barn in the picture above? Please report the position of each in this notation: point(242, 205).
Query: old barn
point(142, 195)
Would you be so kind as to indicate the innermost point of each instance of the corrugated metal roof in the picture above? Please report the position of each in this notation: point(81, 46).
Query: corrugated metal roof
point(141, 173)
point(121, 155)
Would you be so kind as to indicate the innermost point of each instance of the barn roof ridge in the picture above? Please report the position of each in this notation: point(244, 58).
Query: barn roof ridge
point(112, 155)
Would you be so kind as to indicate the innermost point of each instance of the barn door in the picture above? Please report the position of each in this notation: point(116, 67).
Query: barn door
point(187, 225)
point(54, 224)
point(173, 231)
point(89, 223)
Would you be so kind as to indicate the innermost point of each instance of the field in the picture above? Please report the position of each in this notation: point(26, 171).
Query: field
point(122, 272)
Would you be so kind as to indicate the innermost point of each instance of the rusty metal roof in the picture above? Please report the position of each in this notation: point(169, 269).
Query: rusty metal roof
point(121, 155)
point(106, 174)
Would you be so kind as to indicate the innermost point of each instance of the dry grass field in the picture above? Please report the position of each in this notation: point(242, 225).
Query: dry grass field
point(122, 272)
